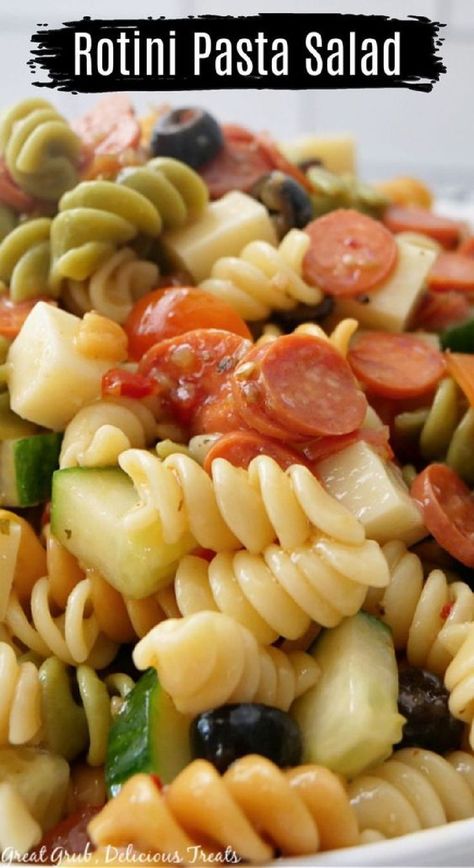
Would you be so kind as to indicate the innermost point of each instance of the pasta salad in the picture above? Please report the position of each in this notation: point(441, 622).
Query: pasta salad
point(236, 524)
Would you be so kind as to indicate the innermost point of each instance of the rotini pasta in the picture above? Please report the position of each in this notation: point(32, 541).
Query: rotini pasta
point(208, 659)
point(114, 287)
point(252, 810)
point(459, 676)
point(40, 149)
point(8, 220)
point(279, 592)
point(418, 610)
point(25, 260)
point(20, 701)
point(415, 789)
point(263, 279)
point(96, 217)
point(100, 432)
point(445, 431)
point(249, 508)
point(73, 636)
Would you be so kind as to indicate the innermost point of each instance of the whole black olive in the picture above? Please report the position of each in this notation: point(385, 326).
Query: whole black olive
point(224, 734)
point(287, 201)
point(423, 700)
point(191, 135)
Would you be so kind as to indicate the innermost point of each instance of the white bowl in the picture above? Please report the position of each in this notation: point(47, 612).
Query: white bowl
point(452, 844)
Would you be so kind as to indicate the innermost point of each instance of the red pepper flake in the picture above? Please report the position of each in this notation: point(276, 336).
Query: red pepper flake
point(157, 781)
point(446, 611)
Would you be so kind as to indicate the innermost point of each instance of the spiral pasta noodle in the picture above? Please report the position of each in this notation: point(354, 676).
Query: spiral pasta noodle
point(415, 789)
point(100, 432)
point(418, 610)
point(20, 699)
point(252, 810)
point(25, 260)
point(96, 217)
point(249, 508)
point(8, 220)
point(72, 636)
point(263, 279)
point(281, 591)
point(40, 149)
point(445, 431)
point(208, 659)
point(459, 676)
point(113, 289)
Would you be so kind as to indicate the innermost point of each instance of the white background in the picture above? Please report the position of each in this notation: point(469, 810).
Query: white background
point(397, 130)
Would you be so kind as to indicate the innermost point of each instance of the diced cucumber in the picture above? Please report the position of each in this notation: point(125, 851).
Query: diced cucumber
point(89, 506)
point(460, 338)
point(148, 735)
point(41, 778)
point(26, 468)
point(349, 719)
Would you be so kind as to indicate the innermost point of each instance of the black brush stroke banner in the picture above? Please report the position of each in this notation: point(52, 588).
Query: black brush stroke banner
point(53, 53)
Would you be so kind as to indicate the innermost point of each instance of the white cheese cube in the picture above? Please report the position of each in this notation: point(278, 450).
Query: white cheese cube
point(223, 229)
point(49, 379)
point(392, 305)
point(374, 491)
point(337, 153)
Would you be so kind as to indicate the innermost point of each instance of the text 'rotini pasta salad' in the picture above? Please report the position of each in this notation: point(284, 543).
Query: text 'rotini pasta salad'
point(237, 530)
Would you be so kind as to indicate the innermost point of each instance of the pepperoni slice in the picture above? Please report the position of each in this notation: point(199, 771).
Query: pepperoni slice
point(396, 366)
point(111, 127)
point(452, 271)
point(238, 165)
point(306, 387)
point(218, 414)
point(438, 310)
point(349, 253)
point(68, 838)
point(240, 447)
point(193, 368)
point(467, 246)
point(447, 507)
point(411, 219)
point(323, 447)
point(250, 401)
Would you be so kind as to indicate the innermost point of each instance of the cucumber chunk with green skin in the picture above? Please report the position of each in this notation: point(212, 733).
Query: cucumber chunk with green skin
point(460, 338)
point(349, 720)
point(13, 427)
point(88, 511)
point(26, 468)
point(148, 735)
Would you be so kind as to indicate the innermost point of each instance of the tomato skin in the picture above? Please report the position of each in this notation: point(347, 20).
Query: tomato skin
point(396, 366)
point(467, 246)
point(119, 383)
point(240, 447)
point(193, 369)
point(13, 314)
point(438, 310)
point(349, 253)
point(165, 313)
point(69, 837)
point(447, 507)
point(399, 218)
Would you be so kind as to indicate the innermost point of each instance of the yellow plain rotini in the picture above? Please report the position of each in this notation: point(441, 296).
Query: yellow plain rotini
point(254, 809)
point(418, 610)
point(208, 659)
point(236, 507)
point(459, 676)
point(415, 789)
point(263, 279)
point(282, 591)
point(100, 432)
point(114, 288)
point(20, 700)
